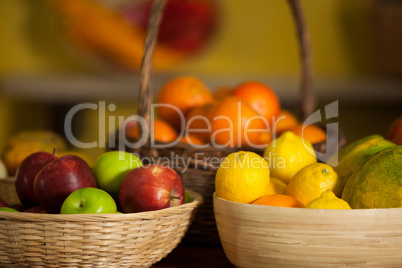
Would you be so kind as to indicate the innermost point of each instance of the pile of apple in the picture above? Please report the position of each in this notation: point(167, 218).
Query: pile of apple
point(118, 182)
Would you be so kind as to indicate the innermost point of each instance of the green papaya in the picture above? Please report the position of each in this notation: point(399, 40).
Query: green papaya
point(377, 182)
point(348, 159)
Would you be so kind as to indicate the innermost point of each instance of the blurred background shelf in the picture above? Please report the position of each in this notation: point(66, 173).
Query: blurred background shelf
point(73, 88)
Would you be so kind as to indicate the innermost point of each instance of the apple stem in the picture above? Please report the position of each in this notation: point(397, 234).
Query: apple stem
point(54, 153)
point(175, 197)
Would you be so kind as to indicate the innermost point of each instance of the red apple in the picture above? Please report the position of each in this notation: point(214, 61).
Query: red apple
point(26, 174)
point(59, 178)
point(151, 187)
point(395, 129)
point(185, 26)
point(3, 203)
point(36, 209)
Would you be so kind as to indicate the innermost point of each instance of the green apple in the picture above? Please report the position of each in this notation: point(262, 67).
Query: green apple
point(110, 169)
point(187, 198)
point(3, 170)
point(88, 200)
point(8, 209)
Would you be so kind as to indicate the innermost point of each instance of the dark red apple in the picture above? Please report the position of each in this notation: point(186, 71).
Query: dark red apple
point(59, 178)
point(36, 209)
point(185, 26)
point(3, 203)
point(26, 174)
point(151, 187)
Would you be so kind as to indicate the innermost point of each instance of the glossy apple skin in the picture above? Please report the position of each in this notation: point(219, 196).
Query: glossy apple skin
point(26, 173)
point(111, 167)
point(36, 209)
point(3, 203)
point(59, 178)
point(89, 201)
point(151, 187)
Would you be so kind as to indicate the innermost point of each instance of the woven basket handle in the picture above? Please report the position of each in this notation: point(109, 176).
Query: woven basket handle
point(145, 95)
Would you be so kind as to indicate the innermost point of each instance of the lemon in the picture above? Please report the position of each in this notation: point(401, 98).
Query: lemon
point(288, 154)
point(311, 181)
point(276, 186)
point(328, 200)
point(242, 177)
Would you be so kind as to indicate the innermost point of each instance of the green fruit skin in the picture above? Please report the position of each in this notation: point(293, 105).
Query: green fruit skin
point(8, 209)
point(187, 198)
point(377, 183)
point(89, 201)
point(351, 156)
point(110, 169)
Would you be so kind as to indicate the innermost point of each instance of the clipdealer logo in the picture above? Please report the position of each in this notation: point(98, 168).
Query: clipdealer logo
point(107, 129)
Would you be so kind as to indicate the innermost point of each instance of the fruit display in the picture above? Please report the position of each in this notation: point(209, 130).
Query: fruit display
point(248, 115)
point(51, 184)
point(364, 174)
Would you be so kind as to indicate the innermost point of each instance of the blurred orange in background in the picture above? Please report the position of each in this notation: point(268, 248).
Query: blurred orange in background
point(312, 133)
point(260, 97)
point(162, 131)
point(235, 123)
point(178, 96)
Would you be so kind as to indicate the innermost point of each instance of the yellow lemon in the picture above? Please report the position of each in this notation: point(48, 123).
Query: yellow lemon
point(276, 186)
point(328, 200)
point(242, 177)
point(311, 181)
point(288, 154)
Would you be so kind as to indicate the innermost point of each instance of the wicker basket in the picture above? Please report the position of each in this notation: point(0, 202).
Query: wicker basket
point(262, 236)
point(200, 174)
point(90, 240)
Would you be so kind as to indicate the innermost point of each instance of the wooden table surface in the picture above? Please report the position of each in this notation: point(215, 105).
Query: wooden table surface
point(189, 254)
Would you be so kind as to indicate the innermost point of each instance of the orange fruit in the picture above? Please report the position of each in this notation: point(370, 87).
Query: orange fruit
point(162, 131)
point(260, 97)
point(198, 122)
point(285, 121)
point(191, 139)
point(183, 93)
point(235, 123)
point(278, 200)
point(312, 133)
point(395, 129)
point(265, 138)
point(222, 92)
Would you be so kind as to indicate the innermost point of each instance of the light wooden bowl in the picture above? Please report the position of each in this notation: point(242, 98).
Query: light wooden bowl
point(264, 236)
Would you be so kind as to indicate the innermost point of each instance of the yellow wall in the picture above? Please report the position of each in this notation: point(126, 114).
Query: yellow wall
point(254, 37)
point(258, 37)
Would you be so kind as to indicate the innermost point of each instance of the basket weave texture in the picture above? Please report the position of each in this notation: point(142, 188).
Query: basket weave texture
point(90, 240)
